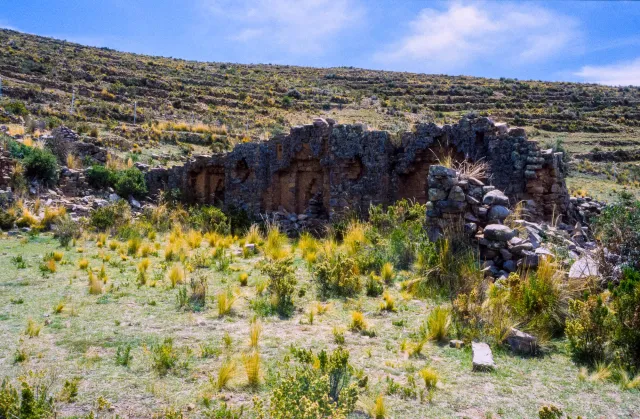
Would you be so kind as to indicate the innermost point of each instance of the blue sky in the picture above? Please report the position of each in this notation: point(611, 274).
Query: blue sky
point(573, 41)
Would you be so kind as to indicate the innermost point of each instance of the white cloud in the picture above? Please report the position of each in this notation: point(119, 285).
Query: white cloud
point(619, 74)
point(489, 33)
point(297, 26)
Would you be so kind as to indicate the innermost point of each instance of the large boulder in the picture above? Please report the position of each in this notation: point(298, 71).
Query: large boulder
point(495, 197)
point(499, 232)
point(498, 213)
point(522, 343)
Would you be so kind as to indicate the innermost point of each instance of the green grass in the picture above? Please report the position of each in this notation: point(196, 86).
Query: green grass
point(83, 341)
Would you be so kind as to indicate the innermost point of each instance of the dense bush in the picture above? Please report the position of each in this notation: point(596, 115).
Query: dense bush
point(606, 327)
point(31, 401)
point(209, 219)
point(110, 216)
point(7, 220)
point(41, 164)
point(618, 228)
point(130, 182)
point(588, 329)
point(100, 177)
point(396, 235)
point(17, 108)
point(282, 283)
point(337, 274)
point(303, 391)
point(65, 229)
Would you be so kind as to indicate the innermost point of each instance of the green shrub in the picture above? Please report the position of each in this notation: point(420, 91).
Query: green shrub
point(130, 182)
point(587, 329)
point(18, 150)
point(606, 327)
point(110, 216)
point(626, 308)
point(41, 164)
point(337, 274)
point(100, 177)
point(7, 220)
point(209, 219)
point(65, 230)
point(282, 283)
point(305, 391)
point(31, 401)
point(618, 229)
point(16, 107)
point(239, 220)
point(165, 357)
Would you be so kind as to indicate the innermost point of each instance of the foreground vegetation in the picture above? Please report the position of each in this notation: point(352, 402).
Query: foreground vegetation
point(190, 313)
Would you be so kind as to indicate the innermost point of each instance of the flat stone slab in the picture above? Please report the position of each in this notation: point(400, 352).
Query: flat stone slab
point(482, 357)
point(583, 268)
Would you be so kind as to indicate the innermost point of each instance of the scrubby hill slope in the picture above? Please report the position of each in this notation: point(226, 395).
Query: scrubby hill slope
point(222, 103)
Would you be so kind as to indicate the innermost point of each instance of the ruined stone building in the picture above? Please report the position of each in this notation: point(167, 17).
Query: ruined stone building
point(326, 168)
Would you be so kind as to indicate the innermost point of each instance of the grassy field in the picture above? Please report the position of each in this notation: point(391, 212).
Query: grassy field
point(81, 334)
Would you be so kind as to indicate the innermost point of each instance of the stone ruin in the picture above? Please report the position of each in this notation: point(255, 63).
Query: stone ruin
point(324, 169)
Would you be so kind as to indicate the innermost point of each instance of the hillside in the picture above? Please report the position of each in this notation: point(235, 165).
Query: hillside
point(186, 106)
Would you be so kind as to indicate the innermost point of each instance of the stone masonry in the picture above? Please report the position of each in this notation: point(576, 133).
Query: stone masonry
point(328, 168)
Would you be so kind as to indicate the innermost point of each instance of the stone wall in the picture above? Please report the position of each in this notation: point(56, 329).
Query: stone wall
point(337, 168)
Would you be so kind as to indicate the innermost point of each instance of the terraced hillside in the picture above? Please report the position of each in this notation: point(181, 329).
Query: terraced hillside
point(186, 107)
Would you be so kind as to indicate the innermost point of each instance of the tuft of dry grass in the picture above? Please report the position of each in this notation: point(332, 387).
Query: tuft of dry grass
point(193, 239)
point(252, 368)
point(255, 330)
point(358, 323)
point(243, 279)
point(226, 372)
point(225, 302)
point(33, 329)
point(176, 275)
point(387, 273)
point(355, 237)
point(95, 285)
point(275, 245)
point(388, 302)
point(254, 235)
point(438, 323)
point(378, 410)
point(83, 263)
point(430, 377)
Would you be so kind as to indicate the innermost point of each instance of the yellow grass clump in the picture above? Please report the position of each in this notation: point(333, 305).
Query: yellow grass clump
point(255, 330)
point(176, 274)
point(430, 377)
point(225, 302)
point(243, 278)
point(252, 368)
point(386, 273)
point(33, 329)
point(194, 239)
point(225, 374)
point(358, 323)
point(355, 237)
point(83, 263)
point(95, 285)
point(254, 235)
point(275, 245)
